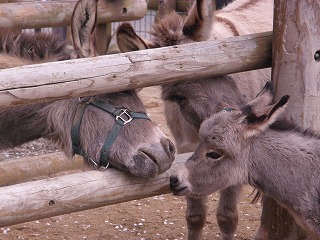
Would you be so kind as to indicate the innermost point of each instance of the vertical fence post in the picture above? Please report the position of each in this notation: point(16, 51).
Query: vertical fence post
point(295, 71)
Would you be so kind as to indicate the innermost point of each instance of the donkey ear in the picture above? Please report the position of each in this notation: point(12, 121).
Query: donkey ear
point(262, 100)
point(200, 20)
point(83, 22)
point(256, 124)
point(128, 40)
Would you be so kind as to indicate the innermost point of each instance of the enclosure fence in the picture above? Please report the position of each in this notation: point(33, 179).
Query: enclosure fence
point(32, 200)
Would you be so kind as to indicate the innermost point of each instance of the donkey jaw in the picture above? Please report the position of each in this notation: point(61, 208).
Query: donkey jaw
point(179, 187)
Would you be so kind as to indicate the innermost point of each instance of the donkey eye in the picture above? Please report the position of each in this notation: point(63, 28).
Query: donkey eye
point(214, 155)
point(177, 98)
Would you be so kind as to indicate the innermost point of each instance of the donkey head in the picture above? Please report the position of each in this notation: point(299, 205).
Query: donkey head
point(221, 158)
point(108, 128)
point(172, 28)
point(193, 98)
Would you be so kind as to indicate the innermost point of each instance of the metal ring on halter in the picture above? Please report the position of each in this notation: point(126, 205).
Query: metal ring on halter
point(96, 166)
point(103, 168)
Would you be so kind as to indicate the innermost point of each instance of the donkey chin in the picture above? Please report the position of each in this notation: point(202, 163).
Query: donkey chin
point(179, 186)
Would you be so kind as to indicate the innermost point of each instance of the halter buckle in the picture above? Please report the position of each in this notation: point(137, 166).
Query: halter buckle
point(124, 116)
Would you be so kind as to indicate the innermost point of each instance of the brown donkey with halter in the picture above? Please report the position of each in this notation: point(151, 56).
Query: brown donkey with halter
point(106, 129)
point(188, 104)
point(251, 146)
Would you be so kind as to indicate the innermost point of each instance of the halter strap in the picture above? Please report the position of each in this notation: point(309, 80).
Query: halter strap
point(122, 117)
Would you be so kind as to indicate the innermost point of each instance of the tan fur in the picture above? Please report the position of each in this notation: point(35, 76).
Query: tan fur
point(246, 16)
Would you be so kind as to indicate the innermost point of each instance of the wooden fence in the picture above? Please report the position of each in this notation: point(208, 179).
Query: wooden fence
point(119, 72)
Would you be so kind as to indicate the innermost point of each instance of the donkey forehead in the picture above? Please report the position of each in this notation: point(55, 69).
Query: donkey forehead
point(125, 99)
point(214, 92)
point(218, 124)
point(211, 87)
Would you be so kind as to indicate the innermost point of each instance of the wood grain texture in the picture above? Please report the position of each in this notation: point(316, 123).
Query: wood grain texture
point(58, 13)
point(118, 72)
point(76, 192)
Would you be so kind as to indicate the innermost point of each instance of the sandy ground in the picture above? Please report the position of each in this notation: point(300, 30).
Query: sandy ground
point(160, 217)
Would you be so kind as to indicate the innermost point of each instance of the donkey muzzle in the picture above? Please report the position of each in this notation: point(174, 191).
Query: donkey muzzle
point(177, 187)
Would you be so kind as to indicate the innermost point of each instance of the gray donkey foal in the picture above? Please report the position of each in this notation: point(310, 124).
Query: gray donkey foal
point(250, 146)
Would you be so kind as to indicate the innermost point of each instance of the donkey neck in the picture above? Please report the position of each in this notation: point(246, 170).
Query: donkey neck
point(280, 157)
point(285, 166)
point(21, 124)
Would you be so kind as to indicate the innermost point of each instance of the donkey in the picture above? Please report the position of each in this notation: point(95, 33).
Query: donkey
point(251, 146)
point(188, 104)
point(101, 128)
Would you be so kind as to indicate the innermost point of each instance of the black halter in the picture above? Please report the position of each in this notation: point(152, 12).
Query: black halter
point(122, 117)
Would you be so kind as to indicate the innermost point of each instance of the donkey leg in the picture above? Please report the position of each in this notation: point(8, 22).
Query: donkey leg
point(262, 233)
point(227, 213)
point(196, 216)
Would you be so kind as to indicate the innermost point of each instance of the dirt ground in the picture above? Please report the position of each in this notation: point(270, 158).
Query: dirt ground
point(160, 217)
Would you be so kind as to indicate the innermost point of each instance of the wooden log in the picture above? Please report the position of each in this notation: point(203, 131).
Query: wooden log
point(57, 13)
point(181, 5)
point(76, 192)
point(118, 72)
point(15, 171)
point(296, 71)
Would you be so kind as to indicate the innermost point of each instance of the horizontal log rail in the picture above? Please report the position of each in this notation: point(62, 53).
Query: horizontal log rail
point(118, 72)
point(76, 192)
point(26, 169)
point(58, 13)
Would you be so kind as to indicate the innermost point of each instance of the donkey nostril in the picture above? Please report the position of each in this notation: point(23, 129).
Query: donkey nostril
point(169, 147)
point(174, 181)
point(172, 149)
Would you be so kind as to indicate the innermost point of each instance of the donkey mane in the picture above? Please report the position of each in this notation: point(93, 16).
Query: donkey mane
point(166, 30)
point(34, 47)
point(19, 48)
point(285, 125)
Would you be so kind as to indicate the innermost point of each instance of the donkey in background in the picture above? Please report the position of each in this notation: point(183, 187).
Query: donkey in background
point(188, 104)
point(251, 146)
point(84, 126)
